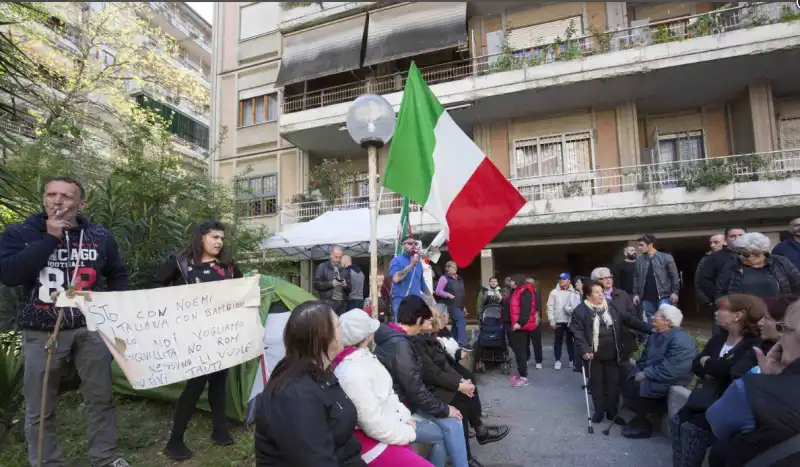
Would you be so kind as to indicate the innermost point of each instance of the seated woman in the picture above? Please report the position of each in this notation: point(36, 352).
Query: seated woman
point(303, 417)
point(666, 361)
point(386, 426)
point(445, 337)
point(452, 383)
point(597, 327)
point(776, 310)
point(739, 316)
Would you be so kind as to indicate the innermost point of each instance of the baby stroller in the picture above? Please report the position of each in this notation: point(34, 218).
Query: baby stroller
point(492, 345)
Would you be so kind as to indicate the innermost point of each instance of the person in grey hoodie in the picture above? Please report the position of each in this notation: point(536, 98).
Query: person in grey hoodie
point(560, 304)
point(355, 298)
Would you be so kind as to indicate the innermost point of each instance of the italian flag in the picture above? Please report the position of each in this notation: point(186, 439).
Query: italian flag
point(434, 163)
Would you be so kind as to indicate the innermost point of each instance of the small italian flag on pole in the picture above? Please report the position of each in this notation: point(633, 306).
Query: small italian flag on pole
point(403, 229)
point(435, 164)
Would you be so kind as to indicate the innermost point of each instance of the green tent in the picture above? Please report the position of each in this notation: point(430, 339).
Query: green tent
point(244, 381)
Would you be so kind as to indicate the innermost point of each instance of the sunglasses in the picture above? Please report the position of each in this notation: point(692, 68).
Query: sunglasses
point(784, 328)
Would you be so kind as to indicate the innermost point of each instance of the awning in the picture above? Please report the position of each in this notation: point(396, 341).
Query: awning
point(348, 230)
point(321, 51)
point(415, 28)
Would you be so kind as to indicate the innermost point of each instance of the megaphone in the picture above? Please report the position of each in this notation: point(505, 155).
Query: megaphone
point(432, 252)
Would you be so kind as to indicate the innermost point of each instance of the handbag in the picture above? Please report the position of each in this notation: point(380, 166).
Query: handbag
point(704, 394)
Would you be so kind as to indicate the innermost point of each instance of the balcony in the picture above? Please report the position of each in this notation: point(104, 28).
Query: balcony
point(663, 67)
point(571, 48)
point(739, 182)
point(180, 27)
point(306, 14)
point(17, 127)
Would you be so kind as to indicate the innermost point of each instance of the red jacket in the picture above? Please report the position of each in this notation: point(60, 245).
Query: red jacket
point(516, 308)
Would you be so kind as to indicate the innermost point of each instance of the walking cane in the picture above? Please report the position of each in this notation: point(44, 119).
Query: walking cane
point(50, 346)
point(586, 393)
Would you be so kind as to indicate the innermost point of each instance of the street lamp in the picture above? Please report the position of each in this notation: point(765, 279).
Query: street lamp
point(370, 122)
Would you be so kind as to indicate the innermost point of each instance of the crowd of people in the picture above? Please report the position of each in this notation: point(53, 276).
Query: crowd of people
point(332, 401)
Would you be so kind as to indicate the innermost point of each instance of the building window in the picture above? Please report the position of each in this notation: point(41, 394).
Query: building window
point(104, 56)
point(684, 146)
point(180, 125)
point(790, 132)
point(258, 195)
point(553, 155)
point(356, 188)
point(257, 19)
point(258, 109)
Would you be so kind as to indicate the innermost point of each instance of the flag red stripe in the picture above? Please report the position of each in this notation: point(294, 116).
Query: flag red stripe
point(483, 207)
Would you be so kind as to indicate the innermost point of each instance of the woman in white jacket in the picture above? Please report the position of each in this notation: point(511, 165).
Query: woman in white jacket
point(385, 426)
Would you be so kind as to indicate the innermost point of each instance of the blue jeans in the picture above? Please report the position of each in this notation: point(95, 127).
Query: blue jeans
point(650, 308)
point(454, 442)
point(459, 325)
point(429, 433)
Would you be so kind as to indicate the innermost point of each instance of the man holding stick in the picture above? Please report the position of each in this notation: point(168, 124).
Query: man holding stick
point(52, 252)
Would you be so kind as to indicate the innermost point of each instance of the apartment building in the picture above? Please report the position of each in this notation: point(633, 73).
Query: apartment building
point(189, 121)
point(612, 118)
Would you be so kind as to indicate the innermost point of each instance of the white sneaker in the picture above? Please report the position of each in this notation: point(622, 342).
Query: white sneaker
point(558, 366)
point(538, 366)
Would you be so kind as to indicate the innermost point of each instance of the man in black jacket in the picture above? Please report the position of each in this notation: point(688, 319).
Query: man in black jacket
point(332, 281)
point(708, 271)
point(395, 349)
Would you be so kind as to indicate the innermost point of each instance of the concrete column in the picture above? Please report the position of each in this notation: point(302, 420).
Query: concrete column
point(774, 238)
point(487, 266)
point(763, 114)
point(627, 134)
point(306, 274)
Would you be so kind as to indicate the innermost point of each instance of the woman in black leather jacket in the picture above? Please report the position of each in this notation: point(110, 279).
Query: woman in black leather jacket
point(205, 259)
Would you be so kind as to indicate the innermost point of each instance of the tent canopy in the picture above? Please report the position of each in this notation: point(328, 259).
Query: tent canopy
point(348, 230)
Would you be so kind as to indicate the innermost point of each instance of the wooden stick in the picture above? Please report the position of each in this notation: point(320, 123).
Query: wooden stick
point(51, 345)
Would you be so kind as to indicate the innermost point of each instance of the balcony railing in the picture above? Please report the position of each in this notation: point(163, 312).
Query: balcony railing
point(691, 175)
point(17, 127)
point(570, 48)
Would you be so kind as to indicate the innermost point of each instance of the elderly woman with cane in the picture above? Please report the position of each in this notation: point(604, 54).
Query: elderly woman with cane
point(597, 326)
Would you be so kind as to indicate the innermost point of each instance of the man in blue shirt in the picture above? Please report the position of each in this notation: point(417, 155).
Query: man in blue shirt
point(790, 248)
point(407, 274)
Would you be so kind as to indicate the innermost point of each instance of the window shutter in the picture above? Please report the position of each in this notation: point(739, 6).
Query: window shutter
point(543, 34)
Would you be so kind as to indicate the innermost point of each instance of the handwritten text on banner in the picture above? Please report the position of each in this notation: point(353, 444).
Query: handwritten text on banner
point(162, 336)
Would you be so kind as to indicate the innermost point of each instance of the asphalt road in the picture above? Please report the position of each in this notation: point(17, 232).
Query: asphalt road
point(549, 425)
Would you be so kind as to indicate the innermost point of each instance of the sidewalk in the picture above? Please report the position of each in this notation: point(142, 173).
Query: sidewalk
point(549, 425)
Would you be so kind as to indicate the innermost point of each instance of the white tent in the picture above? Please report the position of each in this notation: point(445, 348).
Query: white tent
point(348, 230)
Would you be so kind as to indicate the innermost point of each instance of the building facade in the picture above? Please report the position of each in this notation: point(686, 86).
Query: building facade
point(612, 118)
point(189, 121)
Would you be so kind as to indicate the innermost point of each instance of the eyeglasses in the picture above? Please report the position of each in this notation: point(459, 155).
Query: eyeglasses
point(604, 278)
point(745, 254)
point(784, 328)
point(410, 243)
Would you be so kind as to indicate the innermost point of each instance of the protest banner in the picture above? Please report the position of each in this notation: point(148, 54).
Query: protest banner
point(162, 336)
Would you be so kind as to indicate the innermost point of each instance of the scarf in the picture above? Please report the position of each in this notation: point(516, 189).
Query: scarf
point(598, 311)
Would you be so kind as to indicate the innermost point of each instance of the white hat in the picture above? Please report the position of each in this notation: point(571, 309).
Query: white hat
point(357, 325)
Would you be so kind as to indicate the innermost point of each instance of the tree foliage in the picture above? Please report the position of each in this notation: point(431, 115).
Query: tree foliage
point(87, 126)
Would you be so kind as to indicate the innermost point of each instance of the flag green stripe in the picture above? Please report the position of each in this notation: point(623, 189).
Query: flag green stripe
point(403, 228)
point(409, 169)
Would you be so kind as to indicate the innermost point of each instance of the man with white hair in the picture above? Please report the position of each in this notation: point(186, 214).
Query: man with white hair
point(761, 410)
point(756, 272)
point(666, 361)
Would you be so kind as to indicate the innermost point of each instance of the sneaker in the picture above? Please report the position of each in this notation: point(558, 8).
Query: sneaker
point(513, 378)
point(557, 366)
point(176, 450)
point(571, 365)
point(119, 463)
point(538, 366)
point(520, 382)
